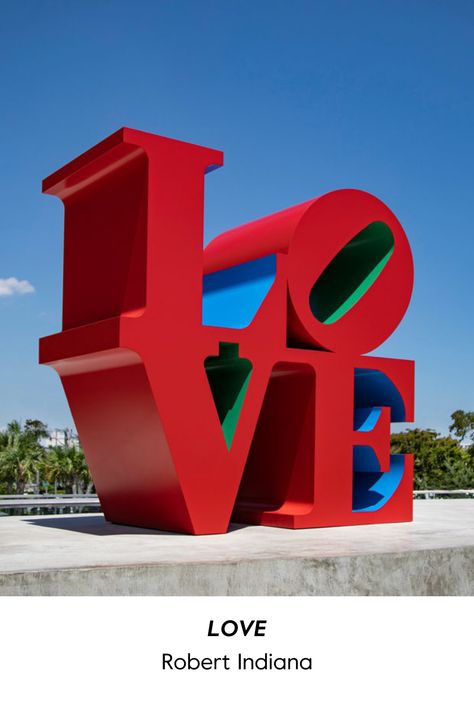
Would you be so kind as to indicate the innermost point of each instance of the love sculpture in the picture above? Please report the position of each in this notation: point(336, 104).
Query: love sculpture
point(229, 383)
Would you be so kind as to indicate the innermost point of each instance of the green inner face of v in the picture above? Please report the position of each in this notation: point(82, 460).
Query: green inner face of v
point(351, 273)
point(228, 376)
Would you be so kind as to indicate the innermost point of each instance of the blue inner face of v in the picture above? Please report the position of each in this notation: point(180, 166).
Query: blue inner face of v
point(232, 297)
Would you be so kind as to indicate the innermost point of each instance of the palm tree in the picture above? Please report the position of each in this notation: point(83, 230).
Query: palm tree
point(23, 460)
point(21, 455)
point(54, 467)
point(66, 466)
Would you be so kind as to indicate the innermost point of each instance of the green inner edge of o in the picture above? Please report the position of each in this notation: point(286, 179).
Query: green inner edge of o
point(351, 273)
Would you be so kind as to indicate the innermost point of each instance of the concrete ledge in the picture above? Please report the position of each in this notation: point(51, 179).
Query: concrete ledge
point(85, 555)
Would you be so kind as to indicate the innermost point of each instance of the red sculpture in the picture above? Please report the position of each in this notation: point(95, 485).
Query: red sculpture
point(229, 383)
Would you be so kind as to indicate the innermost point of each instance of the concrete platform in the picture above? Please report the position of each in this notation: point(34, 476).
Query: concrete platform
point(85, 555)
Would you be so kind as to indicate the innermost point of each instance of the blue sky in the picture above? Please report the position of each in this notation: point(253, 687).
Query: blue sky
point(303, 97)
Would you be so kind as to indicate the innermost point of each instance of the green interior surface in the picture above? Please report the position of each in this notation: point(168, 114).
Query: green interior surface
point(351, 273)
point(228, 377)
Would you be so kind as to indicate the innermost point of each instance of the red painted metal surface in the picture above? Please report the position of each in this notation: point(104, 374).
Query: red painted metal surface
point(131, 356)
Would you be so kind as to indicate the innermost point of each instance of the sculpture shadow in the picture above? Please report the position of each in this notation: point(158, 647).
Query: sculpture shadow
point(97, 525)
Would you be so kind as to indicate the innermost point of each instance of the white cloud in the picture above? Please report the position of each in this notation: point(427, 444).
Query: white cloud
point(12, 285)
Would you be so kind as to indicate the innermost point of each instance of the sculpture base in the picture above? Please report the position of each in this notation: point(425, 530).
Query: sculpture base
point(84, 555)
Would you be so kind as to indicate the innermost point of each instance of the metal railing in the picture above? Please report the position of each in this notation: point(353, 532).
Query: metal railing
point(444, 494)
point(47, 501)
point(26, 497)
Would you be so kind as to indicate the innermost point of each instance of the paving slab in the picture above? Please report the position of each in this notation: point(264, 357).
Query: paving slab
point(83, 554)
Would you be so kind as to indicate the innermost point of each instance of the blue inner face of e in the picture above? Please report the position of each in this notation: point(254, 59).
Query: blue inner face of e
point(371, 487)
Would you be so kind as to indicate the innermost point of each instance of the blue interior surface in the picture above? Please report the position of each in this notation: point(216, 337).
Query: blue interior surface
point(372, 489)
point(232, 297)
point(365, 418)
point(374, 388)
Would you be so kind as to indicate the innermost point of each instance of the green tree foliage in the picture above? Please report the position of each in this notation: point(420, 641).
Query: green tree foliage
point(20, 457)
point(441, 462)
point(65, 468)
point(462, 425)
point(27, 465)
